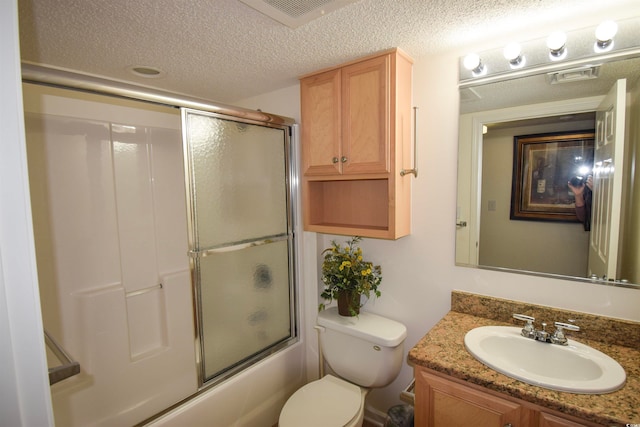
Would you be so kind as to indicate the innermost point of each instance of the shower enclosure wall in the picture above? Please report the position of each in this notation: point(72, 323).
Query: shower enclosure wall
point(159, 293)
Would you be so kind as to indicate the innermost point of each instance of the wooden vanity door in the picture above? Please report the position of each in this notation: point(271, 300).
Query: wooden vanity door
point(366, 92)
point(444, 403)
point(321, 139)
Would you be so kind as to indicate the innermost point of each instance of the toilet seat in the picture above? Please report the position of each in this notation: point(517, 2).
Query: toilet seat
point(326, 402)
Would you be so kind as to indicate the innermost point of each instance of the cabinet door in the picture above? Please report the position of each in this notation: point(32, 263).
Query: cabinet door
point(366, 93)
point(443, 403)
point(548, 420)
point(320, 126)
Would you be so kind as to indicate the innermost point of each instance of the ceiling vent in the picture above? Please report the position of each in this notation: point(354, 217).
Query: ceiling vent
point(574, 74)
point(294, 13)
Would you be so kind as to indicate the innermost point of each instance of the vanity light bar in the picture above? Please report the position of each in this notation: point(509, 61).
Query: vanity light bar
point(610, 40)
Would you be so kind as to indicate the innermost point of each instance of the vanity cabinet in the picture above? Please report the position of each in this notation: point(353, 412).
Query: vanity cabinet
point(443, 402)
point(356, 138)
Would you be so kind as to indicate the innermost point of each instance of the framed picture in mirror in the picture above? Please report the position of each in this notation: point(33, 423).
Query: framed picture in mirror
point(543, 166)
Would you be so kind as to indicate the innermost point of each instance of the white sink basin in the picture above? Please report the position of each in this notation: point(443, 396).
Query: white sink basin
point(576, 368)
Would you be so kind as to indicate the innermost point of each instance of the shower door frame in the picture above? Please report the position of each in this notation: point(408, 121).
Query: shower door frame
point(194, 255)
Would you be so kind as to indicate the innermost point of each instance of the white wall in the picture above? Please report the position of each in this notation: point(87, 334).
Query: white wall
point(24, 385)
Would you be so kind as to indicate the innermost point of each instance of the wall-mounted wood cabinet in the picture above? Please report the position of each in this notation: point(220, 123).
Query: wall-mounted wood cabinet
point(356, 138)
point(442, 402)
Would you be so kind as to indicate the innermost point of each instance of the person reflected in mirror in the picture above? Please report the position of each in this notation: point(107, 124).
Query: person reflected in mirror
point(582, 190)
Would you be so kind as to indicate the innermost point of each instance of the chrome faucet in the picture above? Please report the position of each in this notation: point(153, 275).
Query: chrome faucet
point(558, 336)
point(542, 334)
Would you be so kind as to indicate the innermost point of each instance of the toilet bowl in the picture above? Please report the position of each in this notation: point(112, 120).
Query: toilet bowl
point(329, 401)
point(363, 352)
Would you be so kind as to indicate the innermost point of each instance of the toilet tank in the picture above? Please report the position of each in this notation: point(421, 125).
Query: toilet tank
point(367, 350)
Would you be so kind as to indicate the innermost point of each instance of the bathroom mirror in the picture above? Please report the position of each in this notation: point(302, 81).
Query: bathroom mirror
point(551, 101)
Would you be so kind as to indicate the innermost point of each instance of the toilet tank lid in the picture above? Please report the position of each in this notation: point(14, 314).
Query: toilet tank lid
point(368, 326)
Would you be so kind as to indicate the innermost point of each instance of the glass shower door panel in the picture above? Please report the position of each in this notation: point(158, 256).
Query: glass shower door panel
point(245, 304)
point(239, 185)
point(241, 239)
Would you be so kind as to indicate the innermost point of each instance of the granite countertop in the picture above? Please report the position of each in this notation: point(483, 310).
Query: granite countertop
point(442, 350)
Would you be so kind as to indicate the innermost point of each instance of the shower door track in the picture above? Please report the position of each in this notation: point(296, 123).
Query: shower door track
point(39, 74)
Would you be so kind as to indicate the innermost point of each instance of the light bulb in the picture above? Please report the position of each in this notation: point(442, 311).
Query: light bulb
point(472, 61)
point(513, 53)
point(556, 43)
point(605, 32)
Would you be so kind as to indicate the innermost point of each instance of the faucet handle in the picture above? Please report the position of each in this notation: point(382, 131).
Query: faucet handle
point(558, 336)
point(528, 330)
point(524, 317)
point(567, 326)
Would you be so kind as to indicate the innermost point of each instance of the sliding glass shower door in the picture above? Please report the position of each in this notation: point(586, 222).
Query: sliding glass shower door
point(241, 239)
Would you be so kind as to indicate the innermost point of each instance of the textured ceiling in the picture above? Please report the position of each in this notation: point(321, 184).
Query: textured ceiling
point(224, 50)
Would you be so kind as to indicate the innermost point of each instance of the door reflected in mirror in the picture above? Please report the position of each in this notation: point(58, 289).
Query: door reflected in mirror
point(607, 250)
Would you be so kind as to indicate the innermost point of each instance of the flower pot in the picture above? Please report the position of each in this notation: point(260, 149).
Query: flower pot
point(348, 303)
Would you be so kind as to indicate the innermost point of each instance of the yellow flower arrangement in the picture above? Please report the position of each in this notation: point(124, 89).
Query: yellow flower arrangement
point(344, 269)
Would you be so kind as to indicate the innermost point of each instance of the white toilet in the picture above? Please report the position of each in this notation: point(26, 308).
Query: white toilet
point(366, 351)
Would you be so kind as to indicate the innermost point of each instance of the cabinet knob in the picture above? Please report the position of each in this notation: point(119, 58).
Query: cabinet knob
point(508, 425)
point(334, 160)
point(343, 159)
